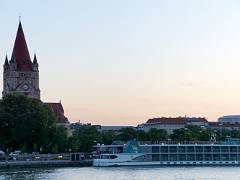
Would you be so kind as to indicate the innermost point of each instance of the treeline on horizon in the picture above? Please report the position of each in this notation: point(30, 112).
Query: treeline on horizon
point(29, 125)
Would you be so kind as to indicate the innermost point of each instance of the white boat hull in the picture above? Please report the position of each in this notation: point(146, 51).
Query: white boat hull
point(104, 163)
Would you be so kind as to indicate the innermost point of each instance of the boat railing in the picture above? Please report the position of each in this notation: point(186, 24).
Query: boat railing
point(176, 142)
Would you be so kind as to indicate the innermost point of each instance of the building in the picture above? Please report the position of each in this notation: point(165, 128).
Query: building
point(58, 110)
point(100, 128)
point(115, 129)
point(233, 119)
point(230, 122)
point(227, 126)
point(21, 75)
point(170, 124)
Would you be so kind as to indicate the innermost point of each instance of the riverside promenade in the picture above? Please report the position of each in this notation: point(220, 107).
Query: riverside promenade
point(44, 164)
point(46, 160)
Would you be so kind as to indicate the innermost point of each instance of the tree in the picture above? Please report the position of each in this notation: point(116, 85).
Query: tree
point(181, 135)
point(27, 124)
point(191, 133)
point(205, 135)
point(108, 137)
point(142, 136)
point(127, 134)
point(85, 138)
point(59, 140)
point(222, 134)
point(157, 134)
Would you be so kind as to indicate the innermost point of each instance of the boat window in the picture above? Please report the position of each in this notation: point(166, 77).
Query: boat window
point(120, 149)
point(233, 149)
point(146, 157)
point(155, 149)
point(190, 157)
point(182, 157)
point(108, 157)
point(145, 149)
point(155, 157)
point(111, 150)
point(164, 157)
point(216, 157)
point(207, 149)
point(224, 149)
point(208, 157)
point(225, 157)
point(173, 157)
point(199, 148)
point(233, 157)
point(164, 149)
point(216, 149)
point(173, 149)
point(199, 157)
point(181, 149)
point(190, 149)
point(104, 157)
point(113, 156)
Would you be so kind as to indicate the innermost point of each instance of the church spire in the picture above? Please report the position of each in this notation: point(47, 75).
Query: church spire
point(6, 64)
point(35, 59)
point(35, 63)
point(13, 59)
point(20, 74)
point(20, 51)
point(6, 61)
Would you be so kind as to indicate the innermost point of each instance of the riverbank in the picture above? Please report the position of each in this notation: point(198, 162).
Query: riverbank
point(44, 164)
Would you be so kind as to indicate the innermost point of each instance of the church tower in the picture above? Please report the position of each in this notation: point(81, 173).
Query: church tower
point(20, 73)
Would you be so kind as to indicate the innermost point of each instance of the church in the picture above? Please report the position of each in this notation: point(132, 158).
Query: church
point(21, 74)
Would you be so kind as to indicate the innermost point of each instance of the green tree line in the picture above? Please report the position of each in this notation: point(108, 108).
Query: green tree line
point(29, 125)
point(82, 140)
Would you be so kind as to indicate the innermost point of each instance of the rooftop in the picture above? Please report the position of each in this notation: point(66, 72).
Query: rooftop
point(20, 52)
point(176, 120)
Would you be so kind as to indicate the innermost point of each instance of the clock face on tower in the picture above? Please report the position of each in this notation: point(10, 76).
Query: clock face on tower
point(25, 87)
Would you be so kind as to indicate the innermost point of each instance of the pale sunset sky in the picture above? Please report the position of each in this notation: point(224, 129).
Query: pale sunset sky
point(121, 62)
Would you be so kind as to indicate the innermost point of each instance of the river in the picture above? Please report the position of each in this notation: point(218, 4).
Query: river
point(122, 173)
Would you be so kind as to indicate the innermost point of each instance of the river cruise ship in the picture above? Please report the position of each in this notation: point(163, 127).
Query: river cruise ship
point(135, 153)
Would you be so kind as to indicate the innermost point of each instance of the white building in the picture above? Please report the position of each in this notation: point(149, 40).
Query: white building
point(170, 124)
point(232, 119)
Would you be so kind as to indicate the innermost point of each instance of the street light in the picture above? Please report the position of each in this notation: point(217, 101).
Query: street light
point(6, 155)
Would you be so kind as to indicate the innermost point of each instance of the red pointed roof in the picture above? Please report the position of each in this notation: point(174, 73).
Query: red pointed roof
point(177, 120)
point(58, 111)
point(20, 51)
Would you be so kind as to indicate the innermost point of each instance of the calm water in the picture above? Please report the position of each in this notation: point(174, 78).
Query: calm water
point(153, 173)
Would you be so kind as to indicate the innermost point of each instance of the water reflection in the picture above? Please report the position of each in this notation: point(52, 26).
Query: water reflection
point(125, 173)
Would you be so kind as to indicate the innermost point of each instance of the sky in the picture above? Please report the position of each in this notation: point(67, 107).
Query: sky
point(123, 62)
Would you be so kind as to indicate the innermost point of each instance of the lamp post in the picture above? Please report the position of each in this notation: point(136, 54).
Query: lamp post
point(6, 156)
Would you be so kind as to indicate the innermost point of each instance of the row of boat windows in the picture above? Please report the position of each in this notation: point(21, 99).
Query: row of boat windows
point(111, 150)
point(189, 149)
point(107, 157)
point(188, 157)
